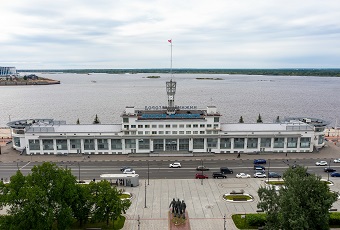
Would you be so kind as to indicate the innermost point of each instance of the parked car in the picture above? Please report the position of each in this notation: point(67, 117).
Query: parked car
point(321, 163)
point(124, 167)
point(260, 161)
point(175, 165)
point(335, 174)
point(274, 175)
point(226, 170)
point(329, 170)
point(259, 167)
point(242, 175)
point(260, 175)
point(218, 175)
point(129, 171)
point(201, 176)
point(202, 168)
point(336, 160)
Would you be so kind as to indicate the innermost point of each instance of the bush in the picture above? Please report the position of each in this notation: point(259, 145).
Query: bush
point(256, 220)
point(334, 218)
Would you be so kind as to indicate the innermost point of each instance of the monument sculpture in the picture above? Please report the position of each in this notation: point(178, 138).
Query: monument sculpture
point(178, 208)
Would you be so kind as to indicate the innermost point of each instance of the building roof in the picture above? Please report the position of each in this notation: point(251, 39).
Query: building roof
point(260, 127)
point(90, 128)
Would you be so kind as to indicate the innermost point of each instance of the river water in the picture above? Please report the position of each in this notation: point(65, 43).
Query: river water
point(78, 96)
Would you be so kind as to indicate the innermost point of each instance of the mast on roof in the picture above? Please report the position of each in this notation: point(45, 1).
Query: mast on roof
point(171, 88)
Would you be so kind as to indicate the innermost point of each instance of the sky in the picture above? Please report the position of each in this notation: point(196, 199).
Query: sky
point(123, 34)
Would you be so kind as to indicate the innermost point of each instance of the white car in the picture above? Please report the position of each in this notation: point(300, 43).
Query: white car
point(175, 165)
point(129, 171)
point(321, 163)
point(260, 175)
point(242, 175)
point(336, 160)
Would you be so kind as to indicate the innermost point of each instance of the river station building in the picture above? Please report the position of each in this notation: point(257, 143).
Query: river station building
point(167, 130)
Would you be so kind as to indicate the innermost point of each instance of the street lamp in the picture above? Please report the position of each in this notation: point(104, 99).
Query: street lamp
point(79, 171)
point(202, 172)
point(329, 167)
point(145, 195)
point(148, 172)
point(225, 225)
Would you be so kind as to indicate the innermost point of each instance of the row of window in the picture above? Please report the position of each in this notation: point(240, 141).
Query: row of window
point(171, 132)
point(169, 126)
point(171, 144)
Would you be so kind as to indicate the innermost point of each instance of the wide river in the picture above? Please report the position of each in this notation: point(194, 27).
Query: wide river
point(78, 96)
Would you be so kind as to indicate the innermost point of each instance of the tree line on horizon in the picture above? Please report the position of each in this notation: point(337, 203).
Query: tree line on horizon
point(333, 72)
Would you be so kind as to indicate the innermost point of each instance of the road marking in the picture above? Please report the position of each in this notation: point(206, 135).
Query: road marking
point(25, 165)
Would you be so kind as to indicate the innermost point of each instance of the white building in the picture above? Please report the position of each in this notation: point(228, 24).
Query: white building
point(167, 130)
point(7, 71)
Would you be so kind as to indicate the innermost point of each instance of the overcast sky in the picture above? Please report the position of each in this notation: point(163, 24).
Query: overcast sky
point(64, 34)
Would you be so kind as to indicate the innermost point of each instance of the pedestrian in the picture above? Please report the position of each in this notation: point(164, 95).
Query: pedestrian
point(239, 155)
point(286, 154)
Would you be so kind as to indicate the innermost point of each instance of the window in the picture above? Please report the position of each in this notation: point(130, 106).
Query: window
point(89, 144)
point(130, 143)
point(61, 144)
point(181, 132)
point(171, 144)
point(140, 126)
point(174, 132)
point(181, 126)
point(216, 126)
point(48, 145)
point(252, 143)
point(167, 126)
point(126, 126)
point(160, 126)
point(102, 144)
point(154, 132)
point(147, 132)
point(167, 132)
point(266, 142)
point(216, 119)
point(17, 141)
point(140, 132)
point(292, 142)
point(198, 143)
point(208, 132)
point(209, 125)
point(225, 143)
point(174, 126)
point(34, 144)
point(305, 142)
point(239, 143)
point(195, 132)
point(75, 144)
point(133, 126)
point(202, 132)
point(279, 142)
point(125, 120)
point(160, 132)
point(188, 125)
point(154, 126)
point(116, 144)
point(195, 125)
point(147, 126)
point(144, 143)
point(158, 145)
point(202, 125)
point(321, 139)
point(212, 142)
point(183, 144)
point(188, 132)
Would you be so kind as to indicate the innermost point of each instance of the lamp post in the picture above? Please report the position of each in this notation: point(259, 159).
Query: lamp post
point(138, 220)
point(148, 172)
point(79, 171)
point(225, 226)
point(145, 195)
point(329, 167)
point(202, 172)
point(268, 169)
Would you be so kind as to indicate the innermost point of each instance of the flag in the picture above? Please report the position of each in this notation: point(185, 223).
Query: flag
point(170, 40)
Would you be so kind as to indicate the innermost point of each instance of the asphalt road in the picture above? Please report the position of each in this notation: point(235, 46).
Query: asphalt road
point(159, 169)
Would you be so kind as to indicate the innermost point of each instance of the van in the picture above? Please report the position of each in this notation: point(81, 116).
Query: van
point(226, 170)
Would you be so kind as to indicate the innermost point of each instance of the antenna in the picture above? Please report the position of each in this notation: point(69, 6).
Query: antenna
point(171, 89)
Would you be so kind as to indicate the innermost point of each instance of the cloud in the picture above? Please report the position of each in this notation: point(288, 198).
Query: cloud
point(206, 34)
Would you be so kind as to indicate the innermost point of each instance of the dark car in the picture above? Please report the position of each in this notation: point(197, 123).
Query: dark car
point(259, 167)
point(274, 175)
point(226, 170)
point(202, 168)
point(201, 176)
point(218, 175)
point(329, 170)
point(260, 161)
point(335, 174)
point(122, 169)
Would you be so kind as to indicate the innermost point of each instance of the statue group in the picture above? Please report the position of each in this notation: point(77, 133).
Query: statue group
point(178, 208)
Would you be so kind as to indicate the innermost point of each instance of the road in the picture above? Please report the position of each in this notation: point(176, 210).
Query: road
point(159, 169)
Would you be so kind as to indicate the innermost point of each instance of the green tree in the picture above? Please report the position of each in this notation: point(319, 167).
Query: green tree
point(107, 203)
point(83, 203)
point(241, 120)
point(96, 120)
point(259, 119)
point(41, 199)
point(303, 202)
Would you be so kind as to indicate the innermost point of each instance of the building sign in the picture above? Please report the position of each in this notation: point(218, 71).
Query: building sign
point(170, 116)
point(161, 107)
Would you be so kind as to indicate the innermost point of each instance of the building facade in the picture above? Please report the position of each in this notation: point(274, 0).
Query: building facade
point(8, 71)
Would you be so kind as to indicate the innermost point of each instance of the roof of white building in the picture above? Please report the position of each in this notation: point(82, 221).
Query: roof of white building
point(260, 127)
point(91, 128)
